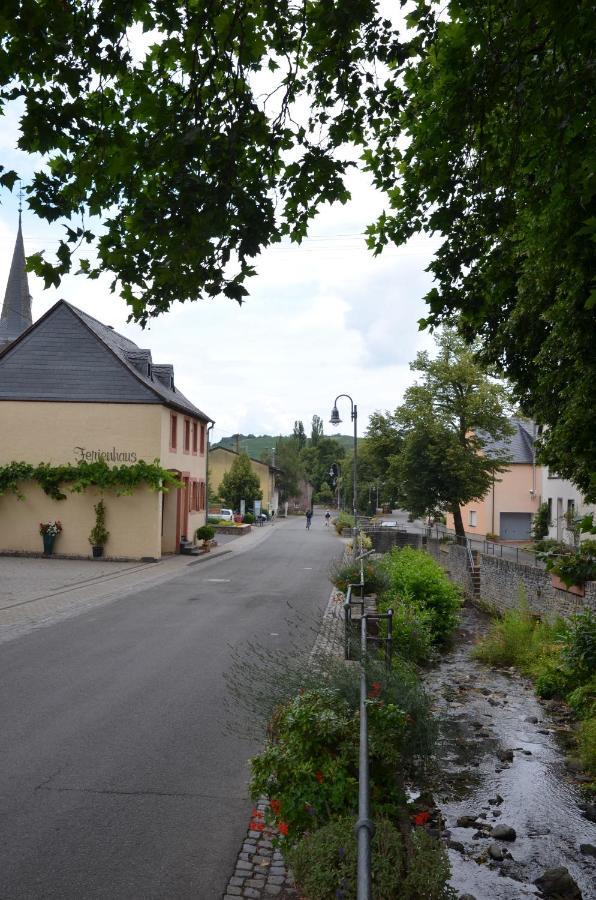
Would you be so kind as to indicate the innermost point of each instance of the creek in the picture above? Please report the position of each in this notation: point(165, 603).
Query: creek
point(502, 761)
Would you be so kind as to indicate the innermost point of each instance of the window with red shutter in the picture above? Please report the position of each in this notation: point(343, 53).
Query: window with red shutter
point(195, 431)
point(187, 435)
point(173, 432)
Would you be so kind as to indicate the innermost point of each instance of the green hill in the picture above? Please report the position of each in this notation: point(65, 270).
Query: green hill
point(254, 444)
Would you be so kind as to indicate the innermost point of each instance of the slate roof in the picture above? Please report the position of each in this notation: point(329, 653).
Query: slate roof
point(16, 309)
point(518, 446)
point(67, 355)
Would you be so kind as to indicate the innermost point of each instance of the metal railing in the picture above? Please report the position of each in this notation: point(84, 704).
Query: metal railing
point(364, 827)
point(524, 555)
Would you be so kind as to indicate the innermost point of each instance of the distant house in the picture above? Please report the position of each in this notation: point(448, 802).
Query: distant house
point(220, 462)
point(508, 508)
point(74, 389)
point(565, 503)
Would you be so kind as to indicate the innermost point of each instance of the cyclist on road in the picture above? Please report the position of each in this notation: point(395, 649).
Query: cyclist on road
point(308, 518)
point(327, 517)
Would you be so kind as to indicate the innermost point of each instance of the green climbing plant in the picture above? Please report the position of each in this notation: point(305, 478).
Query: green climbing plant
point(53, 479)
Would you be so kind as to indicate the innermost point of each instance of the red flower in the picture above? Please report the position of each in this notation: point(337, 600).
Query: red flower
point(421, 818)
point(320, 777)
point(375, 690)
point(275, 806)
point(283, 828)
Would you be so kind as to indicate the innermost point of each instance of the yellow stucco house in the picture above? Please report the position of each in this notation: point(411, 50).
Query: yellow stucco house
point(74, 389)
point(220, 462)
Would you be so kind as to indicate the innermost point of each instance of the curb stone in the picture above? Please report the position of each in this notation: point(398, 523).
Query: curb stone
point(260, 872)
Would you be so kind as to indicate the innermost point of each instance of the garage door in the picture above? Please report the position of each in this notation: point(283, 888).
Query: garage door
point(515, 526)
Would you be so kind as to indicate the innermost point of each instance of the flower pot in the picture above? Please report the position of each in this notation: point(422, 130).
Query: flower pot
point(48, 544)
point(578, 589)
point(97, 551)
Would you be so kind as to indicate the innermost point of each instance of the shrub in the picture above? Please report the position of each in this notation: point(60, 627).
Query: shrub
point(412, 629)
point(343, 520)
point(540, 522)
point(309, 766)
point(248, 518)
point(356, 543)
point(325, 864)
point(99, 535)
point(341, 574)
point(587, 744)
point(573, 566)
point(509, 639)
point(579, 651)
point(205, 533)
point(414, 576)
point(491, 536)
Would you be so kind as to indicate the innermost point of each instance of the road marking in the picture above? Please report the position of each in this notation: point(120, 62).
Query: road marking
point(218, 580)
point(307, 568)
point(273, 634)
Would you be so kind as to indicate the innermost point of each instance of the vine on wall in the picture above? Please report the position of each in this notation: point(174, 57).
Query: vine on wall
point(120, 479)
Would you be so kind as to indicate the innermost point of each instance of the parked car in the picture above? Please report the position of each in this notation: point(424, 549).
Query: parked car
point(226, 515)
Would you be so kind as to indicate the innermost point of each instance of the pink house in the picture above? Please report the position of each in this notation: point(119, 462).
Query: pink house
point(509, 506)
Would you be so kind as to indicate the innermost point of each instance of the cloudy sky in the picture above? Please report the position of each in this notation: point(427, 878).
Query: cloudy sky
point(322, 319)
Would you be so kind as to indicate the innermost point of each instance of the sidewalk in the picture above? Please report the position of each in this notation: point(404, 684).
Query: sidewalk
point(35, 592)
point(260, 872)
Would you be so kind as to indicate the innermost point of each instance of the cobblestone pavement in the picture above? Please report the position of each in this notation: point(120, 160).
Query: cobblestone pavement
point(260, 871)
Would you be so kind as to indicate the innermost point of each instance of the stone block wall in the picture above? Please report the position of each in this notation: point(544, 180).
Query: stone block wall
point(454, 559)
point(385, 539)
point(503, 583)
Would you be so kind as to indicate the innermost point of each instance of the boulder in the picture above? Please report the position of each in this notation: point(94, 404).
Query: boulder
point(503, 833)
point(467, 822)
point(558, 883)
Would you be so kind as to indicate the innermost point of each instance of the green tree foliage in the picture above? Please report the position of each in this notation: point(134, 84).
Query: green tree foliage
point(240, 483)
point(153, 116)
point(316, 429)
point(299, 433)
point(290, 465)
point(478, 123)
point(318, 458)
point(498, 105)
point(446, 420)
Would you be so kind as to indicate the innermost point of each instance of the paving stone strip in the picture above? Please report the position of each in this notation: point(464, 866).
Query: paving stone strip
point(260, 871)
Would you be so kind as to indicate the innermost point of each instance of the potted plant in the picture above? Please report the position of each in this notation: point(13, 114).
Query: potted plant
point(205, 533)
point(570, 570)
point(49, 532)
point(99, 536)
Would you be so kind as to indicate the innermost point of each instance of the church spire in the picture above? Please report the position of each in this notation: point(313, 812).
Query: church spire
point(16, 310)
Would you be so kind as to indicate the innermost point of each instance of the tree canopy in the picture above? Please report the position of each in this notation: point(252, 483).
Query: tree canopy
point(240, 483)
point(448, 429)
point(478, 122)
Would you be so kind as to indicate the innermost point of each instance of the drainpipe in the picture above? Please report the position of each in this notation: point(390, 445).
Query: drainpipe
point(493, 509)
point(209, 427)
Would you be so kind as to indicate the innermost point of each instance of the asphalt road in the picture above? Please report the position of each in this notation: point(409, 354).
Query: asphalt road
point(118, 778)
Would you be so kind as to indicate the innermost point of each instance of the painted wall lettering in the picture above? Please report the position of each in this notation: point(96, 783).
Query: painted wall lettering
point(113, 455)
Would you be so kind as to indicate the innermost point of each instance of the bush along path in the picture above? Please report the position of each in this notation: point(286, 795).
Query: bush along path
point(518, 820)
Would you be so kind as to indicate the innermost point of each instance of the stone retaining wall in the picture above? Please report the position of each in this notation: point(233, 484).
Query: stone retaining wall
point(385, 539)
point(504, 582)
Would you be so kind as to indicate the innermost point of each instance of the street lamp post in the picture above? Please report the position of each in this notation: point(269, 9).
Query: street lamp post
point(335, 420)
point(337, 475)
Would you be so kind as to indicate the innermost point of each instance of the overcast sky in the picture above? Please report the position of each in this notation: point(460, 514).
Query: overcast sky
point(322, 319)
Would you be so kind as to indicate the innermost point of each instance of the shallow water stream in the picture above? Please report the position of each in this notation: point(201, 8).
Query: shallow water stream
point(484, 713)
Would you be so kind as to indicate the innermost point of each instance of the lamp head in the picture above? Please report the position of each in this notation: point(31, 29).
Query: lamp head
point(335, 419)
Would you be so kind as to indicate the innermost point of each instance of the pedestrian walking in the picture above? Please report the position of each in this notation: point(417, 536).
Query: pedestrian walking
point(308, 518)
point(327, 517)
